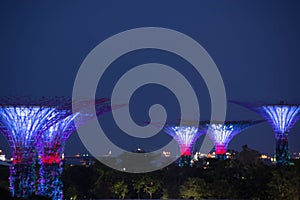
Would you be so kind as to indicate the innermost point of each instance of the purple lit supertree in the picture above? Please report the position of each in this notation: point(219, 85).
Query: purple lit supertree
point(222, 133)
point(52, 143)
point(50, 149)
point(22, 122)
point(186, 137)
point(282, 118)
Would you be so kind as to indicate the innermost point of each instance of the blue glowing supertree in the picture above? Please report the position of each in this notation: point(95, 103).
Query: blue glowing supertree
point(50, 149)
point(222, 133)
point(282, 117)
point(185, 136)
point(22, 122)
point(52, 143)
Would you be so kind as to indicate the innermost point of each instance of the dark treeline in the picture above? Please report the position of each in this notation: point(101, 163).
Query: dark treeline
point(230, 179)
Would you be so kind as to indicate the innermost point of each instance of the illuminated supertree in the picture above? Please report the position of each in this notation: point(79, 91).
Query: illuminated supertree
point(52, 143)
point(222, 133)
point(22, 122)
point(185, 136)
point(50, 149)
point(282, 117)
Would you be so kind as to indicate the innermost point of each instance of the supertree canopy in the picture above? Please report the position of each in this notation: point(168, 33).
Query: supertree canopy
point(52, 145)
point(222, 133)
point(52, 142)
point(185, 136)
point(282, 117)
point(22, 122)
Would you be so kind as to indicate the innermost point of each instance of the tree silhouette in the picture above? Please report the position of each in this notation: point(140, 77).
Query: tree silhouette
point(120, 188)
point(195, 188)
point(284, 184)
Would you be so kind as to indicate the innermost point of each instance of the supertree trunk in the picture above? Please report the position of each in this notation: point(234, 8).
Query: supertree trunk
point(50, 183)
point(221, 152)
point(282, 156)
point(23, 174)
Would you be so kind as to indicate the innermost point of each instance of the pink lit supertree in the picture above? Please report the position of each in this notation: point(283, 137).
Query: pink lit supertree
point(222, 133)
point(52, 143)
point(186, 137)
point(22, 122)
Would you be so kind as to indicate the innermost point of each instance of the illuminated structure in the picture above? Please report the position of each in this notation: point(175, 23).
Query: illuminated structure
point(282, 117)
point(222, 133)
point(185, 136)
point(22, 122)
point(51, 147)
point(52, 143)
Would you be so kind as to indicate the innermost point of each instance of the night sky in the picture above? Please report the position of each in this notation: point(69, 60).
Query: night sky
point(255, 45)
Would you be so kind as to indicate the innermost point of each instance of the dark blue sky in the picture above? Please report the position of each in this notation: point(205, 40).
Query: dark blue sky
point(254, 44)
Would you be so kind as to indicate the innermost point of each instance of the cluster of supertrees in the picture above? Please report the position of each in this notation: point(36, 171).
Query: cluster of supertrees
point(281, 116)
point(220, 133)
point(36, 130)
